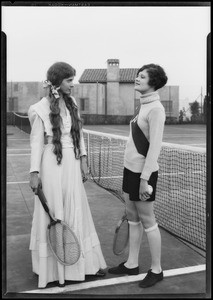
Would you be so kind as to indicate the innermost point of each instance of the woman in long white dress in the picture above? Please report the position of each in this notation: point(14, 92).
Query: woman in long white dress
point(59, 165)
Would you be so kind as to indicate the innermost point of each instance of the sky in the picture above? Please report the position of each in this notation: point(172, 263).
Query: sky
point(86, 36)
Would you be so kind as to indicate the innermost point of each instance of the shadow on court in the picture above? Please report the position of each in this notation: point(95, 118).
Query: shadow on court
point(178, 258)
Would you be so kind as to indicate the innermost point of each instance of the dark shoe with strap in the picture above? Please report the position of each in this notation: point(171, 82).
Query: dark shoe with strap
point(100, 273)
point(151, 279)
point(121, 269)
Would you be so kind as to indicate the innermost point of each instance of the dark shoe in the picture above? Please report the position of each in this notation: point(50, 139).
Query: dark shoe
point(100, 273)
point(151, 279)
point(61, 284)
point(121, 269)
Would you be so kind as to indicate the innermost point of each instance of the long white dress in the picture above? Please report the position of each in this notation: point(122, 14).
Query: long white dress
point(66, 196)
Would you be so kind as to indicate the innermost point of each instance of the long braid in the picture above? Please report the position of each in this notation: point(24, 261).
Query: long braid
point(55, 75)
point(56, 120)
point(76, 124)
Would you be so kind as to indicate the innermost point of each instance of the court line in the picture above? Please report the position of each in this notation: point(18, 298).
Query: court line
point(199, 145)
point(18, 139)
point(18, 154)
point(92, 152)
point(121, 176)
point(185, 134)
point(17, 182)
point(117, 280)
point(161, 174)
point(21, 149)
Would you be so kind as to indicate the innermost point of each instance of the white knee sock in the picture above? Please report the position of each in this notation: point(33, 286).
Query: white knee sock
point(135, 237)
point(154, 240)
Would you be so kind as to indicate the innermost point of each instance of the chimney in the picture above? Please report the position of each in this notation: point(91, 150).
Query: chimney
point(114, 107)
point(113, 70)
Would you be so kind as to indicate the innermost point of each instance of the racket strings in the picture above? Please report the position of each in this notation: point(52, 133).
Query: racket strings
point(64, 244)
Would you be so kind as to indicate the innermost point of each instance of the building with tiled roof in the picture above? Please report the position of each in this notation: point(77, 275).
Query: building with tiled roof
point(100, 75)
point(110, 92)
point(103, 95)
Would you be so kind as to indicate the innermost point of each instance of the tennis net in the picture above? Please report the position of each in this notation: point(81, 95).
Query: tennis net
point(21, 121)
point(180, 205)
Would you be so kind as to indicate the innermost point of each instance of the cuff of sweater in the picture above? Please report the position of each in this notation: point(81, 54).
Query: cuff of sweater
point(145, 175)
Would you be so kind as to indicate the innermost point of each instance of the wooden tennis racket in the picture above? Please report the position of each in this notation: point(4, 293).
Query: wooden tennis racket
point(61, 238)
point(121, 236)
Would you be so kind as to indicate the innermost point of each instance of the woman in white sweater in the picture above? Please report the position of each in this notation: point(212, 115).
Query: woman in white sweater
point(60, 166)
point(141, 170)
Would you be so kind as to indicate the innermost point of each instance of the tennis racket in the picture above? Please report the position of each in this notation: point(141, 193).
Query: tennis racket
point(61, 238)
point(121, 236)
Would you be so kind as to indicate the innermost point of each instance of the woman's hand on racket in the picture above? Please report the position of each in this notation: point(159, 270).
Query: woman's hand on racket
point(144, 190)
point(84, 168)
point(35, 182)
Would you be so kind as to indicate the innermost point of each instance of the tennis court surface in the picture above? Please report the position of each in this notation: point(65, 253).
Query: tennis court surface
point(184, 264)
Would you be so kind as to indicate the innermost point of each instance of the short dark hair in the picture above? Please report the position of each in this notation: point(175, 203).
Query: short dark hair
point(157, 75)
point(58, 72)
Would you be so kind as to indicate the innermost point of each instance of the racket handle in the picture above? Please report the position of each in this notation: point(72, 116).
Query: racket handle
point(43, 200)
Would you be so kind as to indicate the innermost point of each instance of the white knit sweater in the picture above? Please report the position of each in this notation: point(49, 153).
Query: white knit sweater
point(151, 119)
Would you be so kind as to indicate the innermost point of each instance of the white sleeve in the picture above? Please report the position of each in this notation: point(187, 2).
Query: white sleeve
point(36, 139)
point(156, 120)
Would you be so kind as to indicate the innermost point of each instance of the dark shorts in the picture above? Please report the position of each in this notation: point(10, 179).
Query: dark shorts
point(131, 184)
